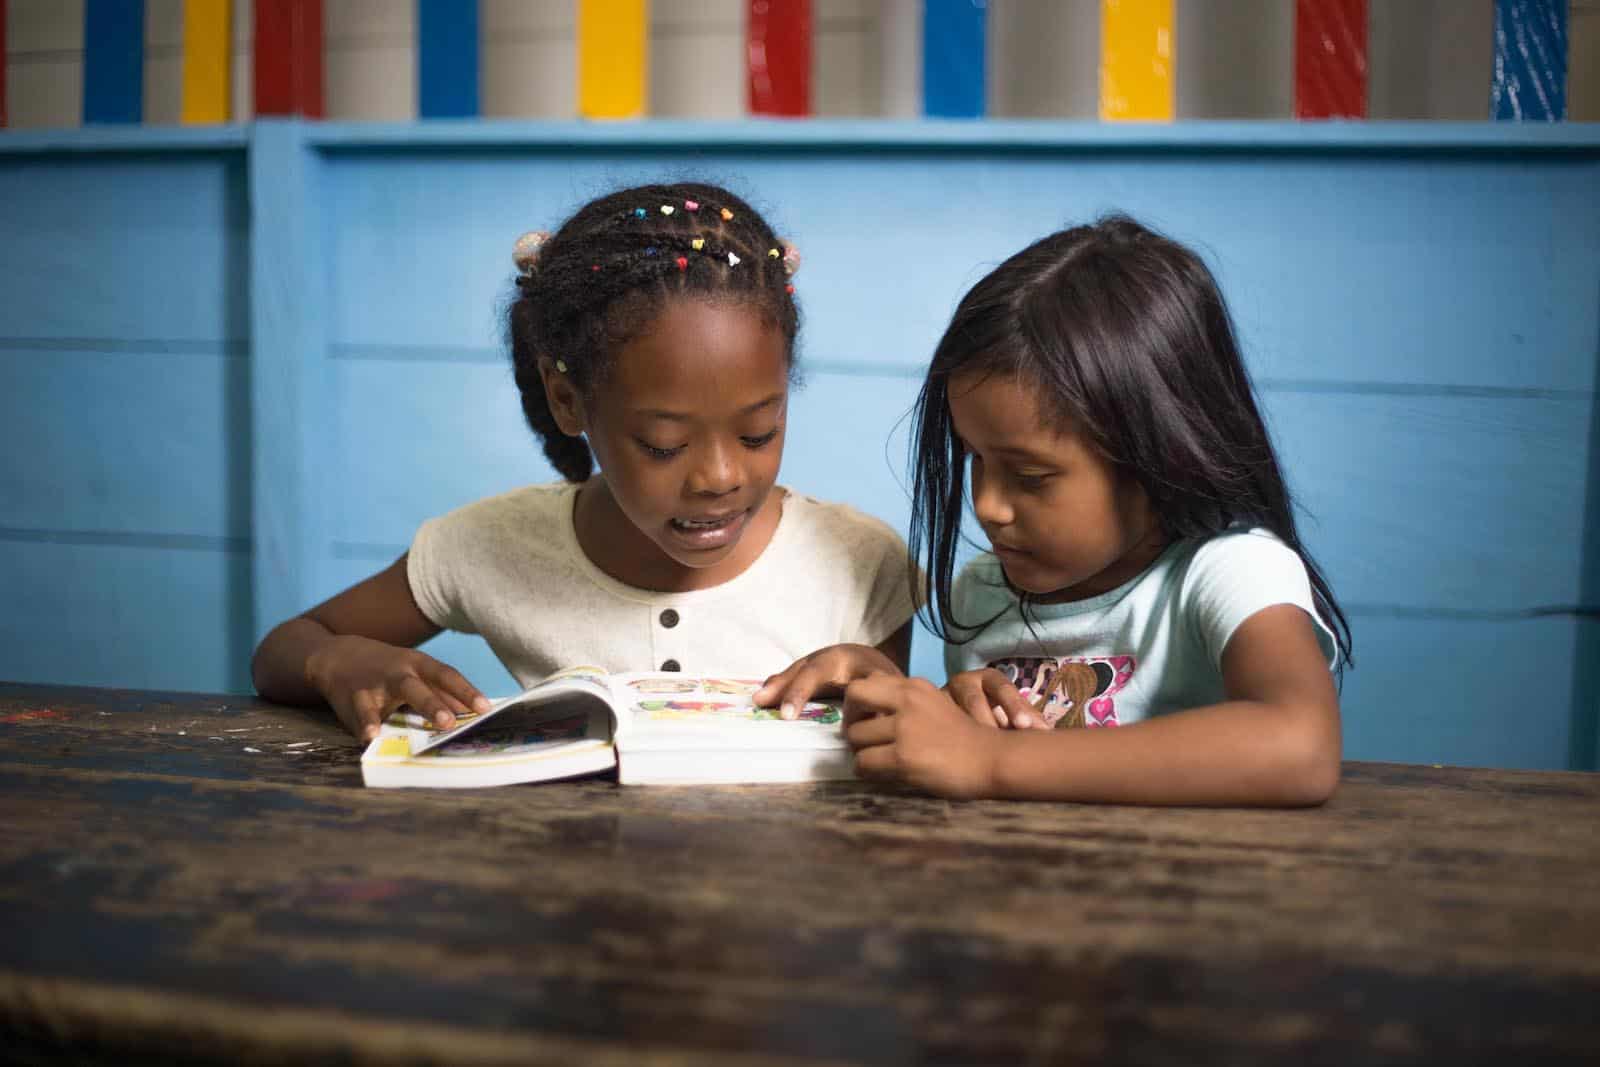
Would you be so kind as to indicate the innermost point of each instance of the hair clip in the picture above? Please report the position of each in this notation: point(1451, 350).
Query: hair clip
point(698, 243)
point(691, 205)
point(561, 365)
point(733, 260)
point(667, 209)
point(525, 253)
point(727, 216)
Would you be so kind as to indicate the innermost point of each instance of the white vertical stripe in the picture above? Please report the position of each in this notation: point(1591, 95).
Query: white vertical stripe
point(1044, 59)
point(529, 53)
point(1235, 59)
point(697, 62)
point(370, 59)
point(163, 62)
point(44, 63)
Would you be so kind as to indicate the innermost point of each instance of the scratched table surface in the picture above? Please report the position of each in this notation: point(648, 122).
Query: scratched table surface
point(193, 878)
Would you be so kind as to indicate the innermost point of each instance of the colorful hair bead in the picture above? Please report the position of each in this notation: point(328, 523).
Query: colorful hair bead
point(650, 251)
point(698, 244)
point(691, 205)
point(773, 253)
point(791, 259)
point(733, 260)
point(682, 262)
point(561, 365)
point(667, 209)
point(727, 216)
point(638, 212)
point(789, 289)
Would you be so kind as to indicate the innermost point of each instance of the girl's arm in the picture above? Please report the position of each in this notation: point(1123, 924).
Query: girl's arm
point(831, 669)
point(355, 652)
point(1274, 742)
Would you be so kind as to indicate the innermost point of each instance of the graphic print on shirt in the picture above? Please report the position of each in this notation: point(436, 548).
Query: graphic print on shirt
point(1072, 690)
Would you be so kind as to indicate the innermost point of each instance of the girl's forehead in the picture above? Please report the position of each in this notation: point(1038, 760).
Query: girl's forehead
point(701, 353)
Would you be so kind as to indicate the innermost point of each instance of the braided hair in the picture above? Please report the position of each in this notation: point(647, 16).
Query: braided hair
point(603, 278)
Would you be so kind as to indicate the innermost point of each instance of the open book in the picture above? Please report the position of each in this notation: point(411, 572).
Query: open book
point(667, 729)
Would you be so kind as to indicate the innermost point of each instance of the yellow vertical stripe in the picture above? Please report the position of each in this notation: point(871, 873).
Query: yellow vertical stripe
point(611, 58)
point(1136, 51)
point(206, 76)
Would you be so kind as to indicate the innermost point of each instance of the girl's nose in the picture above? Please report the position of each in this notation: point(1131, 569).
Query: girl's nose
point(717, 473)
point(988, 503)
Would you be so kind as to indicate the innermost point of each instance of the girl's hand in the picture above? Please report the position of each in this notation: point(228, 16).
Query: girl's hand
point(991, 700)
point(365, 680)
point(908, 730)
point(829, 669)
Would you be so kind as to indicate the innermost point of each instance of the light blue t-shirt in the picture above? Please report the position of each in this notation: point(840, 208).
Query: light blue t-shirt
point(1150, 646)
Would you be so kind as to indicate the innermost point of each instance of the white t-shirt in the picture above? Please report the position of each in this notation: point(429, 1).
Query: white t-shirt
point(1150, 646)
point(510, 568)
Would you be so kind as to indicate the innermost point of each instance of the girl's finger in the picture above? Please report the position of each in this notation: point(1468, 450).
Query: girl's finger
point(773, 687)
point(454, 685)
point(1005, 696)
point(363, 715)
point(971, 698)
point(880, 762)
point(798, 690)
point(865, 733)
point(425, 702)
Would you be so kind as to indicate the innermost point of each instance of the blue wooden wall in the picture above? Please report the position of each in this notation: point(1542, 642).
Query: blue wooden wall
point(238, 367)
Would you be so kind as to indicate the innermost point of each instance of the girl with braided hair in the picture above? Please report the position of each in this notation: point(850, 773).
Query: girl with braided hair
point(653, 345)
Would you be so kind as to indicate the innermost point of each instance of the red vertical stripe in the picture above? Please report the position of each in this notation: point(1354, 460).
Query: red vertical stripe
point(288, 58)
point(2, 64)
point(1330, 59)
point(778, 57)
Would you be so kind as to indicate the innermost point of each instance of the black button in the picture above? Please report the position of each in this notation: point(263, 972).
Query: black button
point(669, 618)
point(671, 665)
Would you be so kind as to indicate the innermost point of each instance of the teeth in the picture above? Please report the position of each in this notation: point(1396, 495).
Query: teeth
point(703, 524)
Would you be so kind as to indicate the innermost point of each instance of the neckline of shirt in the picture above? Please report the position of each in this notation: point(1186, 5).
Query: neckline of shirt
point(657, 598)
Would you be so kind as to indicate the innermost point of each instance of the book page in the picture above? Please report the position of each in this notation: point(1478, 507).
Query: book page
point(575, 691)
point(655, 702)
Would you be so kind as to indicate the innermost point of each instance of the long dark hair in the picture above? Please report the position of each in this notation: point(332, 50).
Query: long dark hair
point(1126, 334)
point(606, 274)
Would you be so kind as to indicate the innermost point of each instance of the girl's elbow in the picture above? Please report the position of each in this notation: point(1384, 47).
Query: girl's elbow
point(1313, 763)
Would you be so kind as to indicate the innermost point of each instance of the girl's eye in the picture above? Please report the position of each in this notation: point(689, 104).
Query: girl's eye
point(1031, 482)
point(659, 453)
point(757, 442)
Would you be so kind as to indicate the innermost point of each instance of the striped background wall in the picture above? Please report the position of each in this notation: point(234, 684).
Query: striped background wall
point(1429, 59)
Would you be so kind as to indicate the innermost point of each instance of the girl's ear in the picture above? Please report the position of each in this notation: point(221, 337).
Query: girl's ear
point(566, 402)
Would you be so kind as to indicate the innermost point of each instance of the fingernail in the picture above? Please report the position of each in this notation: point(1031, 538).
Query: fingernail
point(1024, 721)
point(443, 719)
point(788, 711)
point(1000, 715)
point(481, 704)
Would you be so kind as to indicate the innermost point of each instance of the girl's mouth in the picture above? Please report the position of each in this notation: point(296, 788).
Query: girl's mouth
point(709, 532)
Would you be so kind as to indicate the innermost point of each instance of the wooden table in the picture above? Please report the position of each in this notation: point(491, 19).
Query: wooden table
point(191, 878)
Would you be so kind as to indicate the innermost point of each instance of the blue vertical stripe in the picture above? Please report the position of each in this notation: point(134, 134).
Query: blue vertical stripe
point(953, 58)
point(447, 58)
point(1530, 60)
point(113, 61)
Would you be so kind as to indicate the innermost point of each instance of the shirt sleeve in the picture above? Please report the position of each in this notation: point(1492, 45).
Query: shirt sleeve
point(888, 588)
point(1235, 575)
point(433, 570)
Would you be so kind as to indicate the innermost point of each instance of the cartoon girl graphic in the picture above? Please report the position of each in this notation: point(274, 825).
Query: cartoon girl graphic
point(1071, 691)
